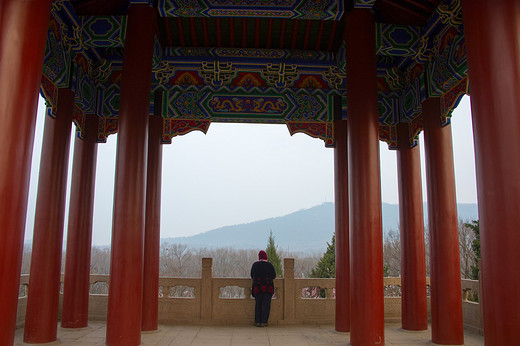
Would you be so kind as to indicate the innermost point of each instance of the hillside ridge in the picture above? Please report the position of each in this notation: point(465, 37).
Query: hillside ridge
point(303, 231)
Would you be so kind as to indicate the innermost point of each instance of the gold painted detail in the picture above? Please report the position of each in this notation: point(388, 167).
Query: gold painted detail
point(217, 73)
point(334, 77)
point(280, 75)
point(101, 71)
point(164, 72)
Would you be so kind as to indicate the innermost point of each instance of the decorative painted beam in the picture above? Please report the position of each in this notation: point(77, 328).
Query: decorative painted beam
point(104, 31)
point(255, 85)
point(288, 9)
point(173, 128)
point(396, 40)
point(364, 4)
point(323, 131)
point(388, 134)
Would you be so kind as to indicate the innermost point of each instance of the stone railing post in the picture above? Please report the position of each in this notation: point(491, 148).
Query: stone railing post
point(288, 290)
point(206, 289)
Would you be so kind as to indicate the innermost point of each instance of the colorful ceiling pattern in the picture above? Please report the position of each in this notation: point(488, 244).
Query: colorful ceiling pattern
point(288, 9)
point(295, 87)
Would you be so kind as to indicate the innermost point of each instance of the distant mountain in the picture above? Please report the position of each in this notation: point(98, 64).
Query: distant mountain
point(306, 230)
point(465, 211)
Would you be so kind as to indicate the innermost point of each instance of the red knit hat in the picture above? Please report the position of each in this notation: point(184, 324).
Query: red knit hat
point(262, 255)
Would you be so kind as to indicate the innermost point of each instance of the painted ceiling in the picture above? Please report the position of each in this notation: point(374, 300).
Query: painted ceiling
point(280, 61)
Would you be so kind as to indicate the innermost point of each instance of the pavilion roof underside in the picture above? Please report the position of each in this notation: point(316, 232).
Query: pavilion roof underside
point(403, 12)
point(259, 61)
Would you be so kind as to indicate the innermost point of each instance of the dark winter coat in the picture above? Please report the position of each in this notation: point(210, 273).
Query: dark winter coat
point(263, 274)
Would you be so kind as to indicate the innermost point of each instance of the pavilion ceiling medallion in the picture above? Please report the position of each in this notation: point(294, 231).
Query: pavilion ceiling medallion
point(396, 40)
point(104, 31)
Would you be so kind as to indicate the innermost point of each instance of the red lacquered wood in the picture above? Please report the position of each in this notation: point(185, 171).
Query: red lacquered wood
point(446, 296)
point(23, 34)
point(414, 312)
point(79, 234)
point(366, 243)
point(342, 322)
point(153, 226)
point(126, 266)
point(492, 30)
point(41, 317)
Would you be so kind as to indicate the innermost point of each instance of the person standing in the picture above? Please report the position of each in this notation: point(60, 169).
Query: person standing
point(263, 274)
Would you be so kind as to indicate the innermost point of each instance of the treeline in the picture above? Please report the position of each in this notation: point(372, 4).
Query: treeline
point(179, 260)
point(469, 248)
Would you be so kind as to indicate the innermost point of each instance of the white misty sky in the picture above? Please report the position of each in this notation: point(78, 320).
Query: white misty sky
point(240, 173)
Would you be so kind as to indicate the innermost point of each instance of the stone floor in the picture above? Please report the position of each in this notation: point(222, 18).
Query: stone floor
point(285, 335)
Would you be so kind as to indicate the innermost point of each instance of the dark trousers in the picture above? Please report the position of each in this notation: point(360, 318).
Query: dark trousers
point(262, 307)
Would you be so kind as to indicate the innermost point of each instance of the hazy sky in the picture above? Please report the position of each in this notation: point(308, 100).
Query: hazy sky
point(239, 173)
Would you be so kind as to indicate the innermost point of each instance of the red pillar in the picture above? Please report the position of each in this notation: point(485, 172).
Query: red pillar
point(152, 226)
point(342, 234)
point(414, 313)
point(23, 33)
point(446, 295)
point(366, 255)
point(79, 236)
point(492, 36)
point(126, 268)
point(44, 283)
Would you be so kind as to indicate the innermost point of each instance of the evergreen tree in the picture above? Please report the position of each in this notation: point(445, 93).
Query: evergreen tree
point(272, 255)
point(326, 266)
point(475, 246)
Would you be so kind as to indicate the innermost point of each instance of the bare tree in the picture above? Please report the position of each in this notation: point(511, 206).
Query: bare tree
point(303, 265)
point(427, 249)
point(467, 255)
point(100, 260)
point(392, 254)
point(174, 260)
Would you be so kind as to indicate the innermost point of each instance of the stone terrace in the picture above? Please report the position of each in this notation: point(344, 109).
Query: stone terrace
point(284, 335)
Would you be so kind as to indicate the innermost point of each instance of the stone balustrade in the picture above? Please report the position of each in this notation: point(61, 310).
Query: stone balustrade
point(218, 301)
point(471, 308)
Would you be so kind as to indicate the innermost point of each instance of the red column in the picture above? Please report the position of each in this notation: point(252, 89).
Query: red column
point(152, 226)
point(341, 213)
point(44, 283)
point(126, 268)
point(23, 33)
point(79, 236)
point(366, 255)
point(494, 69)
point(414, 312)
point(446, 295)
